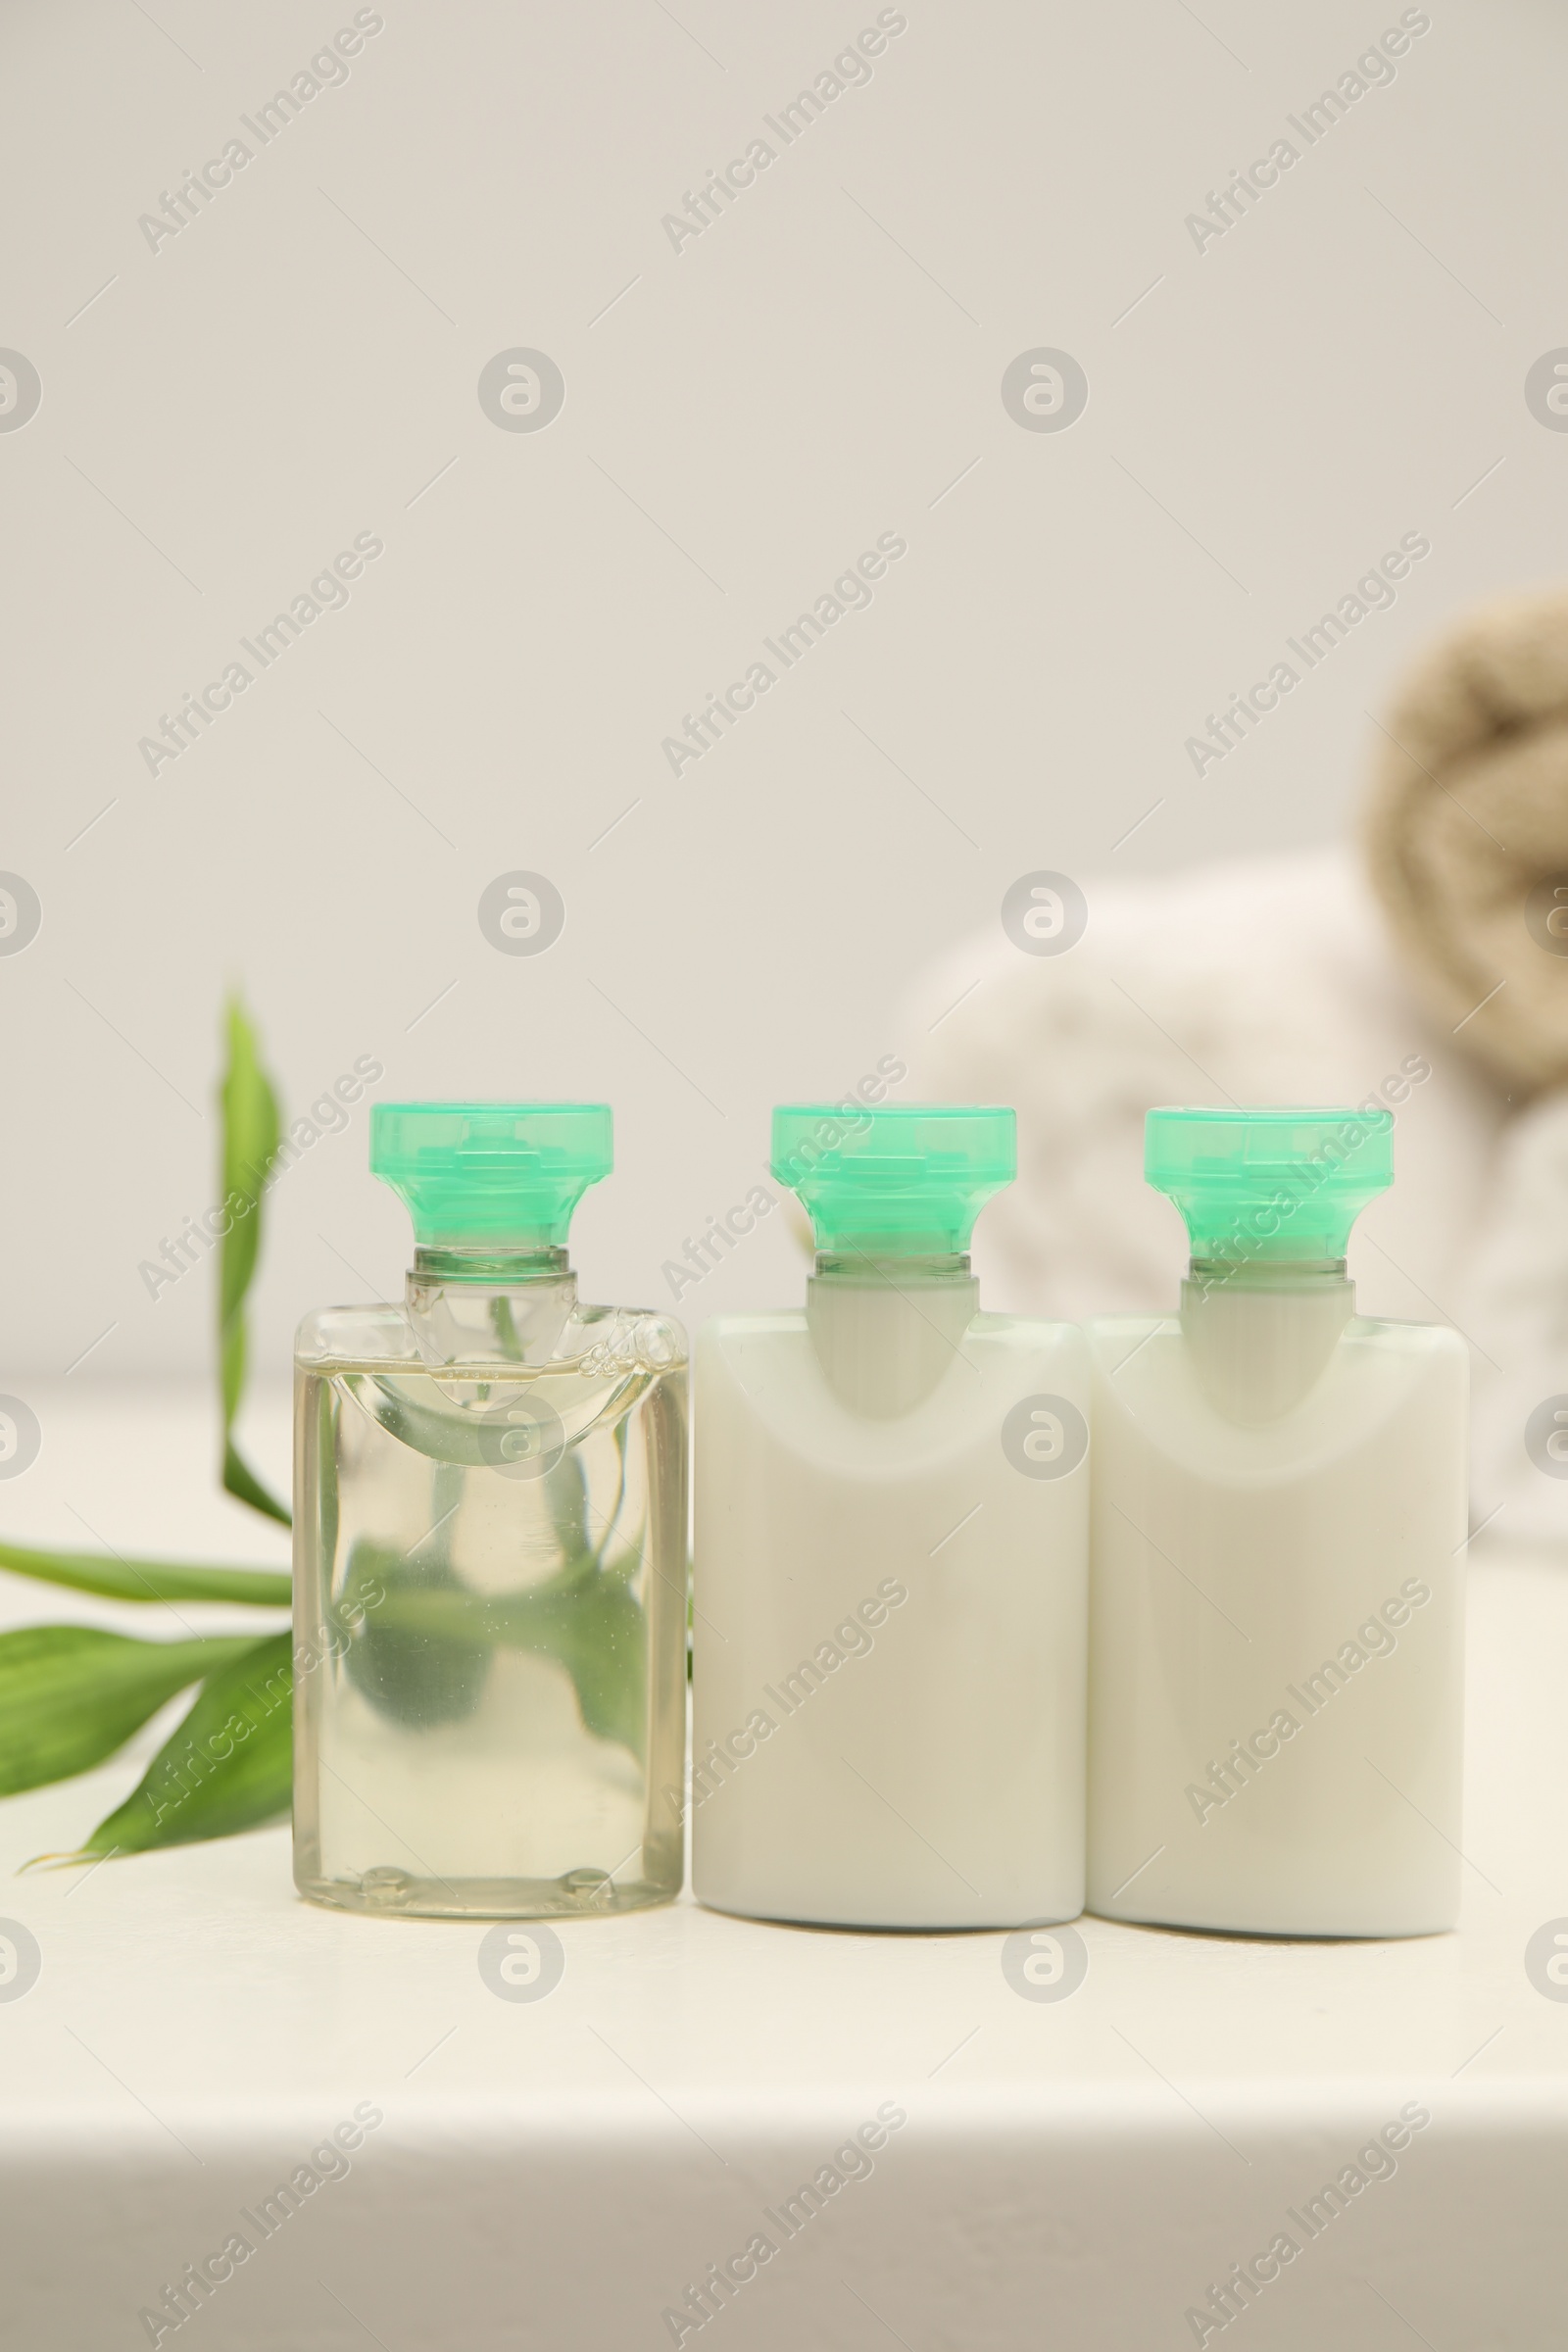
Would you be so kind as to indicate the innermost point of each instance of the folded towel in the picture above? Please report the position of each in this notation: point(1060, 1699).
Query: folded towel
point(1434, 981)
point(1513, 1304)
point(1467, 835)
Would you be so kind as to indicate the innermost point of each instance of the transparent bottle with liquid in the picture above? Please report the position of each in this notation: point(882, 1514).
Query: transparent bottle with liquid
point(490, 1550)
point(1277, 1626)
point(891, 1558)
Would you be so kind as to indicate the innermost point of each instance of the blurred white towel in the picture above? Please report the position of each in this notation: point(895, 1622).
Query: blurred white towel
point(1269, 981)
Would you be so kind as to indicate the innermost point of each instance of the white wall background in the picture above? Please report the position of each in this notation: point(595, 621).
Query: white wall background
point(300, 363)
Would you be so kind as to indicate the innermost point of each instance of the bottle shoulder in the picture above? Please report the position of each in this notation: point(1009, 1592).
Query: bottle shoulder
point(757, 1325)
point(1100, 1327)
point(1259, 1414)
point(1031, 1331)
point(378, 1334)
point(1108, 1336)
point(782, 1371)
point(597, 1338)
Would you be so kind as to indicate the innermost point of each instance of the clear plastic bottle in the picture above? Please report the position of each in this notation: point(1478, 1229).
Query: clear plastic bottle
point(1276, 1674)
point(891, 1560)
point(490, 1550)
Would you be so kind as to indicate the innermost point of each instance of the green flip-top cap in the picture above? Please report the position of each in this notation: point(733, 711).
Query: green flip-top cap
point(497, 1173)
point(1269, 1184)
point(904, 1181)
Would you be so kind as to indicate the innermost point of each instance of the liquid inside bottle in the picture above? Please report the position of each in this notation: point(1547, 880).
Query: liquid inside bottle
point(489, 1599)
point(1277, 1638)
point(891, 1564)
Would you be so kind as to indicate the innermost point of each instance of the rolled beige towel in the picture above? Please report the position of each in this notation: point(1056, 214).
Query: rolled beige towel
point(1467, 834)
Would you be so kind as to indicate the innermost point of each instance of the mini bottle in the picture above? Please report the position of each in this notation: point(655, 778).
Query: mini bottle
point(490, 1550)
point(891, 1558)
point(1276, 1678)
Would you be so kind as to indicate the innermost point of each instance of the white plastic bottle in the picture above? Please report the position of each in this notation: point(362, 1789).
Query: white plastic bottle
point(1276, 1679)
point(890, 1559)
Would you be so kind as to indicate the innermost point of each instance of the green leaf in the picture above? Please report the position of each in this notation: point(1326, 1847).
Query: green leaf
point(241, 1481)
point(431, 1634)
point(150, 1579)
point(410, 1671)
point(250, 1145)
point(71, 1694)
point(600, 1635)
point(228, 1765)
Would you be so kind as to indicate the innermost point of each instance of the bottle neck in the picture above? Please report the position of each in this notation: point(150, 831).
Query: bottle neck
point(889, 1269)
point(489, 1303)
point(885, 1329)
point(1302, 1276)
point(1261, 1332)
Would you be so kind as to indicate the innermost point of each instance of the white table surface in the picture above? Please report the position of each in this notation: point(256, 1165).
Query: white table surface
point(554, 2173)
